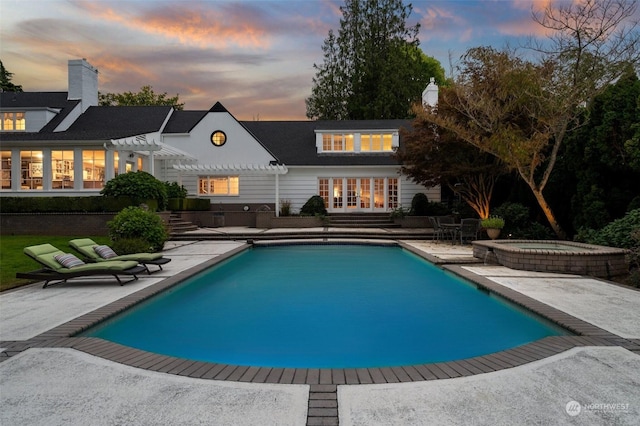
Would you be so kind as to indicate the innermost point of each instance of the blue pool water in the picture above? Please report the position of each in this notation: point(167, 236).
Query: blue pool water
point(324, 306)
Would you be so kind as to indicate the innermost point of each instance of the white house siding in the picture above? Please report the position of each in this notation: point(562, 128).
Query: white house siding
point(408, 189)
point(241, 147)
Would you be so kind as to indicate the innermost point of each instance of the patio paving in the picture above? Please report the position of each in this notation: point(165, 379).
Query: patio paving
point(47, 385)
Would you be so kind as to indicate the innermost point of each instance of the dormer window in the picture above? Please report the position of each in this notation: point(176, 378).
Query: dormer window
point(367, 142)
point(380, 142)
point(337, 142)
point(13, 122)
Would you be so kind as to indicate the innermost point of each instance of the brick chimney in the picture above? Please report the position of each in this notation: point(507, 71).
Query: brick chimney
point(83, 83)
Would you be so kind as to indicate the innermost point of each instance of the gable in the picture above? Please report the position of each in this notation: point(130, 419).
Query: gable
point(240, 146)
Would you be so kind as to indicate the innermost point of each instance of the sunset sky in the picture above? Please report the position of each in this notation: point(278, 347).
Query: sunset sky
point(256, 57)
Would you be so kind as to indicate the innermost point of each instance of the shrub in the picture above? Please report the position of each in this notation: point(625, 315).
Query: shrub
point(314, 206)
point(137, 223)
point(285, 207)
point(616, 234)
point(189, 204)
point(140, 186)
point(174, 190)
point(518, 223)
point(419, 205)
point(492, 222)
point(131, 245)
point(63, 204)
point(437, 209)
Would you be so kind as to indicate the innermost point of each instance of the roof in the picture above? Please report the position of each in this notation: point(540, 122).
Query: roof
point(294, 142)
point(38, 100)
point(102, 123)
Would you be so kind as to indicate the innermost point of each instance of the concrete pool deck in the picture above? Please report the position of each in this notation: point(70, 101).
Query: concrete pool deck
point(40, 384)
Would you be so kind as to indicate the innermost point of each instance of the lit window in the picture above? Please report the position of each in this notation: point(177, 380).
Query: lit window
point(218, 185)
point(337, 142)
point(31, 169)
point(93, 163)
point(5, 169)
point(62, 169)
point(323, 190)
point(13, 121)
point(218, 138)
point(393, 193)
point(376, 142)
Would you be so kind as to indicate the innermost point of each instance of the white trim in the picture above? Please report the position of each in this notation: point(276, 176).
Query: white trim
point(241, 169)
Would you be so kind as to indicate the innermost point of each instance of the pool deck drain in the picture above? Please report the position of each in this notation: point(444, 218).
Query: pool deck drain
point(323, 382)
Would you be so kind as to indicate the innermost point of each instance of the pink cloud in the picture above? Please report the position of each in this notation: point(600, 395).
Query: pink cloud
point(199, 26)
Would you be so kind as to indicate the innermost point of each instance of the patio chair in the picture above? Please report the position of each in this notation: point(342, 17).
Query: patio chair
point(469, 229)
point(438, 232)
point(94, 252)
point(60, 266)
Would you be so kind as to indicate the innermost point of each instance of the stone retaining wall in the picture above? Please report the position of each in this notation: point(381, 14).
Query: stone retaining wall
point(584, 259)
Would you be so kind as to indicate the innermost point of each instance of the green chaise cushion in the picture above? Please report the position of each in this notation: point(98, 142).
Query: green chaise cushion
point(86, 246)
point(46, 253)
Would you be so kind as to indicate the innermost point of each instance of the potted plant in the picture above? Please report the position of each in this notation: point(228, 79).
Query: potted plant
point(493, 225)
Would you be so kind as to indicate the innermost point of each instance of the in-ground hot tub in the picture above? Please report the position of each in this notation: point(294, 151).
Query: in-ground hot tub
point(554, 256)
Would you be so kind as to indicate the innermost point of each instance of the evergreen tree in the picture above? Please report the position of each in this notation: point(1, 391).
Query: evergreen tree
point(5, 81)
point(373, 68)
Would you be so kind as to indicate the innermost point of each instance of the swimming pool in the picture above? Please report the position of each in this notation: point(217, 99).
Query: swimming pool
point(324, 306)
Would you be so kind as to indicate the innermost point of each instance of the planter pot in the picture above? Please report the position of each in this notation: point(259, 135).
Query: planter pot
point(493, 233)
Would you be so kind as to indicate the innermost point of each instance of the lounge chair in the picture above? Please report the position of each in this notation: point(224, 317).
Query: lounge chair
point(61, 266)
point(94, 252)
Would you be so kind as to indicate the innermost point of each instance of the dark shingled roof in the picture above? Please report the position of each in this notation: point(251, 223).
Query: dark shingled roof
point(183, 121)
point(294, 142)
point(55, 100)
point(120, 121)
point(103, 123)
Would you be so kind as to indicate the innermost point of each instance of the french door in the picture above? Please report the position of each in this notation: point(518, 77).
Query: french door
point(362, 194)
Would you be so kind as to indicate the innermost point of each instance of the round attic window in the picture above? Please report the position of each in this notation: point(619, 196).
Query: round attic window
point(218, 138)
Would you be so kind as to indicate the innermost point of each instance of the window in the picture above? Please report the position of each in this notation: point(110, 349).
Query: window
point(218, 185)
point(93, 163)
point(218, 138)
point(13, 121)
point(62, 169)
point(393, 193)
point(380, 142)
point(337, 142)
point(31, 169)
point(323, 190)
point(5, 169)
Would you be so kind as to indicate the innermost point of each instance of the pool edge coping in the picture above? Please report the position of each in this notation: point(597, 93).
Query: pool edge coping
point(65, 334)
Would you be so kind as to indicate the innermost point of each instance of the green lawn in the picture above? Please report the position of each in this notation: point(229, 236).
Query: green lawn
point(13, 260)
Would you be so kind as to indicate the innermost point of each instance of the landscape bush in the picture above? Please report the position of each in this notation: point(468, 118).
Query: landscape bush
point(135, 223)
point(618, 233)
point(92, 204)
point(174, 190)
point(314, 207)
point(518, 223)
point(419, 205)
point(140, 186)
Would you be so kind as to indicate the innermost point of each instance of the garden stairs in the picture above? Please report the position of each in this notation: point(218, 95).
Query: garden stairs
point(179, 225)
point(361, 220)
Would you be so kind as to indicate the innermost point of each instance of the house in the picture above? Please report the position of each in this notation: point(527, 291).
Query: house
point(63, 143)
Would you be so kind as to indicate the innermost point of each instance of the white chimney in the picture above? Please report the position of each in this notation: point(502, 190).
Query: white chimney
point(83, 83)
point(430, 94)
